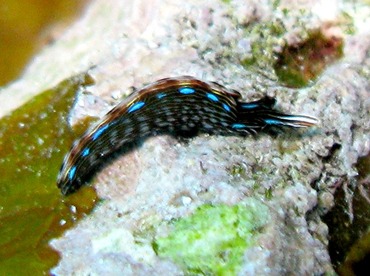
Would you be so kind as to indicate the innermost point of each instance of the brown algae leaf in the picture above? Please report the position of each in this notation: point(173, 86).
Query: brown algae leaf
point(298, 65)
point(33, 141)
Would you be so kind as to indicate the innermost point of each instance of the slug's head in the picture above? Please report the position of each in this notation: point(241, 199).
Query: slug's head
point(261, 114)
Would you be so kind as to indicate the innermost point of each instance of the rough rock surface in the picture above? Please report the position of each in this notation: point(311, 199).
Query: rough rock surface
point(126, 44)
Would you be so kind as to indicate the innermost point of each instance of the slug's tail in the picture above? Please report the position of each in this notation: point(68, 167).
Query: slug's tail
point(260, 114)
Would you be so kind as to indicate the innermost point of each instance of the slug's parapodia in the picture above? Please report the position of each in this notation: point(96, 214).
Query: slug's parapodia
point(174, 105)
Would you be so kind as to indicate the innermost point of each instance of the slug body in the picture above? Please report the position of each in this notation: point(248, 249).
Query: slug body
point(175, 105)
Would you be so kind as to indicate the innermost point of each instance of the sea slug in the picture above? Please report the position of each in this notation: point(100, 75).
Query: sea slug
point(177, 105)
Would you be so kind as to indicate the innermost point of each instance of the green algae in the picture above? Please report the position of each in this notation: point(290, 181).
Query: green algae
point(33, 141)
point(238, 170)
point(212, 241)
point(264, 38)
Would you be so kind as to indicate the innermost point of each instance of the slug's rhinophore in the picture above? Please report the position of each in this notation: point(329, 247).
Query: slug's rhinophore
point(174, 105)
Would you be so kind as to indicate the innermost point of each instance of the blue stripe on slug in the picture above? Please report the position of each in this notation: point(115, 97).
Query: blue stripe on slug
point(273, 122)
point(135, 107)
point(226, 107)
point(250, 105)
point(186, 90)
point(85, 152)
point(212, 97)
point(238, 126)
point(99, 132)
point(72, 173)
point(161, 95)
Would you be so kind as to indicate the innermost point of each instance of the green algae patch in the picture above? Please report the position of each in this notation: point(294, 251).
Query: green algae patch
point(33, 142)
point(264, 39)
point(298, 65)
point(214, 238)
